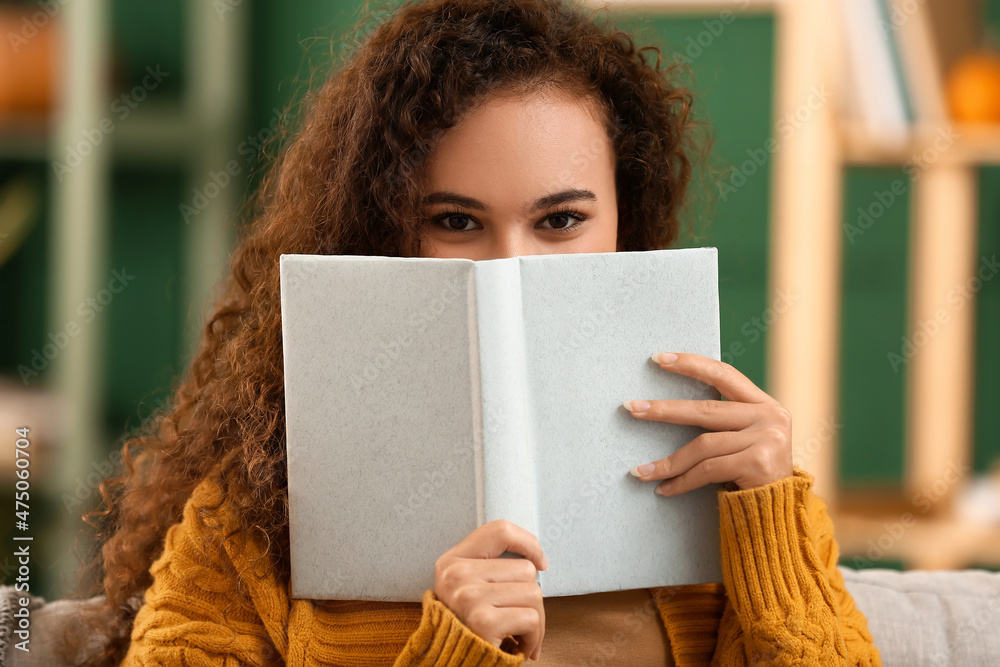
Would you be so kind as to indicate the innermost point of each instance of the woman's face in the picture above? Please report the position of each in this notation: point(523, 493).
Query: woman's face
point(515, 172)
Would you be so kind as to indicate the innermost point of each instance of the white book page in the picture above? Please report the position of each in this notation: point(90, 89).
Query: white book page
point(592, 323)
point(382, 460)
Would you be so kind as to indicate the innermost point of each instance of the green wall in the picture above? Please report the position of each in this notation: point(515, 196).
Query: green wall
point(986, 426)
point(873, 312)
point(731, 210)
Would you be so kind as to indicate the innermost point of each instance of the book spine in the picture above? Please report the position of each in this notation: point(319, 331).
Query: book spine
point(475, 386)
point(509, 474)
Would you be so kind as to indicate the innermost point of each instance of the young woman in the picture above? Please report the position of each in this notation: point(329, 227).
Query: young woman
point(477, 129)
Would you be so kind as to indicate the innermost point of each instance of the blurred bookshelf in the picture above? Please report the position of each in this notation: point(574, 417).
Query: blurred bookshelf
point(23, 137)
point(937, 406)
point(177, 125)
point(918, 522)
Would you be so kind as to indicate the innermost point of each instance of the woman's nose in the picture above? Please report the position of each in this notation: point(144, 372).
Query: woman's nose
point(512, 243)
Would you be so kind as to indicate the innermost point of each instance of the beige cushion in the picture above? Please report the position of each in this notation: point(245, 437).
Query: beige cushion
point(930, 618)
point(45, 621)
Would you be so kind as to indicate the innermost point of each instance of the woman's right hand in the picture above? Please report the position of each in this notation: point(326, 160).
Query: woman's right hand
point(495, 597)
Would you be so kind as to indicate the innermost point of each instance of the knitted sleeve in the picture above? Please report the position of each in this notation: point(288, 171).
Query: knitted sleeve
point(192, 612)
point(786, 601)
point(442, 639)
point(195, 614)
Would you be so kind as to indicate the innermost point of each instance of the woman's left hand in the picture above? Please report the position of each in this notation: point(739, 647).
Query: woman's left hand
point(749, 439)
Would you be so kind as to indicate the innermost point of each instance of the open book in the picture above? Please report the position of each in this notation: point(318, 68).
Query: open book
point(426, 396)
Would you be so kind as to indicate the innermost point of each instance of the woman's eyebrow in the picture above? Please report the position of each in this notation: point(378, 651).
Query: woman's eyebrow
point(563, 197)
point(554, 199)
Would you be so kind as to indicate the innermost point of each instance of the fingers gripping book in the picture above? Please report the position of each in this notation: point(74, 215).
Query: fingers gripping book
point(426, 396)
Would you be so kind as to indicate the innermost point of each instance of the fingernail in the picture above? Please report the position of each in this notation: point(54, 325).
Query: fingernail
point(636, 406)
point(664, 357)
point(662, 488)
point(644, 469)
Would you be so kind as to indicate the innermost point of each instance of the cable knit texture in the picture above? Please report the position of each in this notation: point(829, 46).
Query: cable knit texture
point(782, 602)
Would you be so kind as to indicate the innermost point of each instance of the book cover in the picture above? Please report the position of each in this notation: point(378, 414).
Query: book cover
point(425, 397)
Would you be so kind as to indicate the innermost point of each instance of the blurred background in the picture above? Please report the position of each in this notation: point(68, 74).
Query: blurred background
point(855, 205)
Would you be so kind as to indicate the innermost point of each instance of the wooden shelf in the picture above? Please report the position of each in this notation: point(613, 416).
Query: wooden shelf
point(920, 542)
point(42, 413)
point(24, 137)
point(156, 132)
point(957, 143)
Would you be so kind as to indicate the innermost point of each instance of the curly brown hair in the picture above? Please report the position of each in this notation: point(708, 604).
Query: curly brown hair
point(347, 182)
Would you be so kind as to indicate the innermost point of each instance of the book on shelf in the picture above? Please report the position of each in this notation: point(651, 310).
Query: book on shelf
point(878, 94)
point(910, 24)
point(428, 396)
point(898, 53)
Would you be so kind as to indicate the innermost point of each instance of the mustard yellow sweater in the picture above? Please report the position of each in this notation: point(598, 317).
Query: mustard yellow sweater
point(782, 602)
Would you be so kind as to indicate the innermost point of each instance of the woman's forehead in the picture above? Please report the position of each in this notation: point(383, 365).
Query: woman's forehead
point(521, 138)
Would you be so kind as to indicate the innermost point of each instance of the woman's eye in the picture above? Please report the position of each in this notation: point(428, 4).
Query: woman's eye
point(447, 224)
point(567, 221)
point(557, 222)
point(560, 221)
